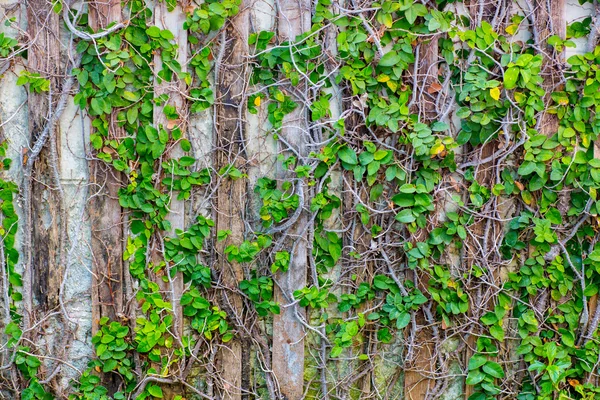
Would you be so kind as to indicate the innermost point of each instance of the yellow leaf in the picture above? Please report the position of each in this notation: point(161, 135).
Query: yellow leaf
point(585, 140)
point(495, 93)
point(511, 29)
point(520, 97)
point(437, 149)
point(527, 197)
point(383, 78)
point(257, 101)
point(392, 85)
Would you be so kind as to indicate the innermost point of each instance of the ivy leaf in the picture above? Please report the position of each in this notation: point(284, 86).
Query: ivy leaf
point(155, 391)
point(553, 373)
point(186, 145)
point(335, 250)
point(463, 112)
point(405, 216)
point(529, 318)
point(96, 104)
point(131, 96)
point(403, 320)
point(153, 31)
point(335, 351)
point(381, 282)
point(389, 59)
point(109, 82)
point(439, 126)
point(497, 332)
point(109, 365)
point(526, 168)
point(167, 34)
point(417, 10)
point(96, 141)
point(223, 234)
point(474, 377)
point(489, 318)
point(495, 93)
point(347, 155)
point(228, 336)
point(494, 369)
point(132, 115)
point(477, 361)
point(376, 192)
point(510, 77)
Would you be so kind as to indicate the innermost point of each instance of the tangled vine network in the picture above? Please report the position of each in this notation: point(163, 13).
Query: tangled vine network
point(294, 199)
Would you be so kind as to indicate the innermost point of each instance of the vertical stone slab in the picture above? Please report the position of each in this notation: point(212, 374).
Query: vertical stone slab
point(43, 272)
point(175, 89)
point(417, 377)
point(288, 332)
point(232, 78)
point(477, 245)
point(549, 20)
point(173, 21)
point(105, 211)
point(76, 286)
point(592, 42)
point(106, 217)
point(13, 130)
point(261, 155)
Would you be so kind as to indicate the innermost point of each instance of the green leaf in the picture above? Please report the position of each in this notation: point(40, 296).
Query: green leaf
point(336, 351)
point(153, 32)
point(417, 10)
point(553, 372)
point(477, 361)
point(497, 332)
point(463, 112)
point(96, 141)
point(109, 365)
point(167, 34)
point(132, 115)
point(335, 250)
point(439, 126)
point(155, 391)
point(185, 145)
point(97, 105)
point(381, 282)
point(131, 96)
point(405, 216)
point(475, 376)
point(22, 80)
point(389, 59)
point(510, 77)
point(494, 369)
point(403, 320)
point(526, 168)
point(347, 155)
point(376, 192)
point(489, 318)
point(529, 318)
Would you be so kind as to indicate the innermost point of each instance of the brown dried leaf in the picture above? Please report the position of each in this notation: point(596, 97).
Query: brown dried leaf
point(434, 88)
point(519, 185)
point(173, 123)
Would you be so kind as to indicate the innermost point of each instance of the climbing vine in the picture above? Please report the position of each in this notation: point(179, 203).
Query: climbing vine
point(445, 191)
